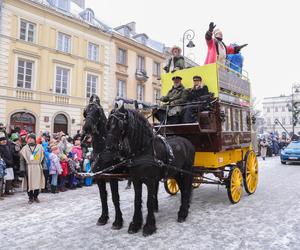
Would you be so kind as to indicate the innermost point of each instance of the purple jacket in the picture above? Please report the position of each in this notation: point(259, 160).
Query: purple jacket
point(55, 167)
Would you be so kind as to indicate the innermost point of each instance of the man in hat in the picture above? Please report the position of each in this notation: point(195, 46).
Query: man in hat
point(217, 50)
point(176, 95)
point(176, 62)
point(31, 167)
point(189, 113)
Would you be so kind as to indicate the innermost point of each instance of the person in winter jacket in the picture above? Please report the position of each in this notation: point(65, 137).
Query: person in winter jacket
point(55, 167)
point(64, 173)
point(176, 62)
point(2, 174)
point(15, 146)
point(217, 50)
point(263, 148)
point(31, 158)
point(46, 162)
point(7, 155)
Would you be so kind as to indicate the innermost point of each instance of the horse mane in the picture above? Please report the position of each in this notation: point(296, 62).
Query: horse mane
point(139, 132)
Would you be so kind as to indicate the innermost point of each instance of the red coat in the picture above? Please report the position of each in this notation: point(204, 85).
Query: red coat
point(65, 168)
point(211, 56)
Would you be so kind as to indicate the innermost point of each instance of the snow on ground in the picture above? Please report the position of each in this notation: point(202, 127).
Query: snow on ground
point(269, 219)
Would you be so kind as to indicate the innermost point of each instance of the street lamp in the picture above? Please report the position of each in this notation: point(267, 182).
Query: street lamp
point(188, 35)
point(294, 108)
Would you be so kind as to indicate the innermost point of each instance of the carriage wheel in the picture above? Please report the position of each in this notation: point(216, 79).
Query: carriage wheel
point(171, 186)
point(198, 180)
point(235, 185)
point(251, 172)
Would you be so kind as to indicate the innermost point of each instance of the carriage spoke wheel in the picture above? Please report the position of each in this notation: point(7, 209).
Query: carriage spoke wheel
point(197, 182)
point(171, 186)
point(251, 172)
point(235, 185)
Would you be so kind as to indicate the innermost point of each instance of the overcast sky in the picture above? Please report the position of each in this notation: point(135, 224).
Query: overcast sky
point(271, 28)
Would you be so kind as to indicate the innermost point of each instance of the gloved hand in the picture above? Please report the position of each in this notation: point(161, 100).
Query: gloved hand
point(212, 26)
point(238, 48)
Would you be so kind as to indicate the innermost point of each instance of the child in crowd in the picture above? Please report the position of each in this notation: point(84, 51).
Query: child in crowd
point(77, 150)
point(55, 167)
point(2, 173)
point(64, 173)
point(72, 170)
point(87, 167)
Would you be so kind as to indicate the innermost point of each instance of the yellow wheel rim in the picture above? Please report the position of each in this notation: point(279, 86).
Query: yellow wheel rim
point(197, 183)
point(172, 186)
point(236, 185)
point(251, 172)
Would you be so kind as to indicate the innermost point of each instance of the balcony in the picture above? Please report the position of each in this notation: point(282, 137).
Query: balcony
point(61, 99)
point(141, 75)
point(24, 94)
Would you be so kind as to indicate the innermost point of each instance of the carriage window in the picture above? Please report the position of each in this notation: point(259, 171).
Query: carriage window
point(244, 120)
point(227, 124)
point(236, 120)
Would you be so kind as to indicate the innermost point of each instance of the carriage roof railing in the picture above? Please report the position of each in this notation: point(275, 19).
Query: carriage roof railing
point(240, 72)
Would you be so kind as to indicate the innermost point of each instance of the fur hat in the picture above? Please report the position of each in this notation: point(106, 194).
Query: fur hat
point(176, 47)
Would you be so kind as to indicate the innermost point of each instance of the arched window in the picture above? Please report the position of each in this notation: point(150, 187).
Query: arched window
point(60, 124)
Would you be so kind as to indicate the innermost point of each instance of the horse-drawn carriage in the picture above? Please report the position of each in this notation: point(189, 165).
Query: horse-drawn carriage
point(222, 133)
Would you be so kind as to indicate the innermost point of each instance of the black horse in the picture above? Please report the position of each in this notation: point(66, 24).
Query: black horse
point(95, 125)
point(130, 133)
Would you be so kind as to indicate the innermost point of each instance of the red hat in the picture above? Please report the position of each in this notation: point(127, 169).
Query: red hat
point(23, 132)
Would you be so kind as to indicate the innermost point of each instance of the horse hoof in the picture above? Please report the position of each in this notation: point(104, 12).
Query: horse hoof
point(149, 230)
point(102, 220)
point(181, 219)
point(117, 225)
point(134, 228)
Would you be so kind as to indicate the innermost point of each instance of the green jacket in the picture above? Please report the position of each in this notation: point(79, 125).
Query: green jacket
point(175, 96)
point(178, 64)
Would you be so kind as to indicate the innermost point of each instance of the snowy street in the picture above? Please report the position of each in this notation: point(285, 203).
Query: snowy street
point(268, 219)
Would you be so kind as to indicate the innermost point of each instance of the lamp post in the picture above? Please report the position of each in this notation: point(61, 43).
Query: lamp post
point(294, 107)
point(188, 35)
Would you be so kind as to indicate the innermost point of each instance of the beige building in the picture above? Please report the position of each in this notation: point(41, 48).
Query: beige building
point(53, 56)
point(138, 64)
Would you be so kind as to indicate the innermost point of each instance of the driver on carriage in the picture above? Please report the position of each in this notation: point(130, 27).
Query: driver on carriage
point(176, 95)
point(195, 94)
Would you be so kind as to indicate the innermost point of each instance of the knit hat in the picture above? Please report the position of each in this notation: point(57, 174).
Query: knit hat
point(14, 136)
point(2, 136)
point(32, 135)
point(23, 132)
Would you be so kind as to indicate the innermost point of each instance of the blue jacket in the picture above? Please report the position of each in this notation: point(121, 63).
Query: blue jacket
point(47, 152)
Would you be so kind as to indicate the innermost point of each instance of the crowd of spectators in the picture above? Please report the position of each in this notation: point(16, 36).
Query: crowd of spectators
point(62, 157)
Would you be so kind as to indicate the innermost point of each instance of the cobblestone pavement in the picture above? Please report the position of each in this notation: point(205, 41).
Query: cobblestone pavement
point(269, 219)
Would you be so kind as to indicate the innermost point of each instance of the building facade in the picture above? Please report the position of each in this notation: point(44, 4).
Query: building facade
point(53, 55)
point(277, 108)
point(138, 62)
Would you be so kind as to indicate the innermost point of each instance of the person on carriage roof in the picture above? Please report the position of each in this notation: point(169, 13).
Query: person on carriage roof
point(217, 50)
point(176, 95)
point(189, 112)
point(176, 62)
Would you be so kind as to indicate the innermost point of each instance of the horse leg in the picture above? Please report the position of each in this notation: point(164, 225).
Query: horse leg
point(118, 223)
point(185, 185)
point(103, 196)
point(150, 226)
point(137, 220)
point(155, 206)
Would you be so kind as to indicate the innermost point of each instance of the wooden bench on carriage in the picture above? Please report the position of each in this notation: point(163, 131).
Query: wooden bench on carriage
point(222, 134)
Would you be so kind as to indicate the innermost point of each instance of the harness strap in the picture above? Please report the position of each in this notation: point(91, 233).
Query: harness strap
point(170, 154)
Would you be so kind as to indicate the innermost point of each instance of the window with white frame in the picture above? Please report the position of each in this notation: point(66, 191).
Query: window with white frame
point(89, 16)
point(283, 108)
point(140, 63)
point(283, 121)
point(63, 42)
point(93, 52)
point(268, 109)
point(62, 4)
point(121, 56)
point(121, 88)
point(25, 73)
point(156, 95)
point(27, 31)
point(156, 69)
point(91, 85)
point(62, 80)
point(140, 89)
